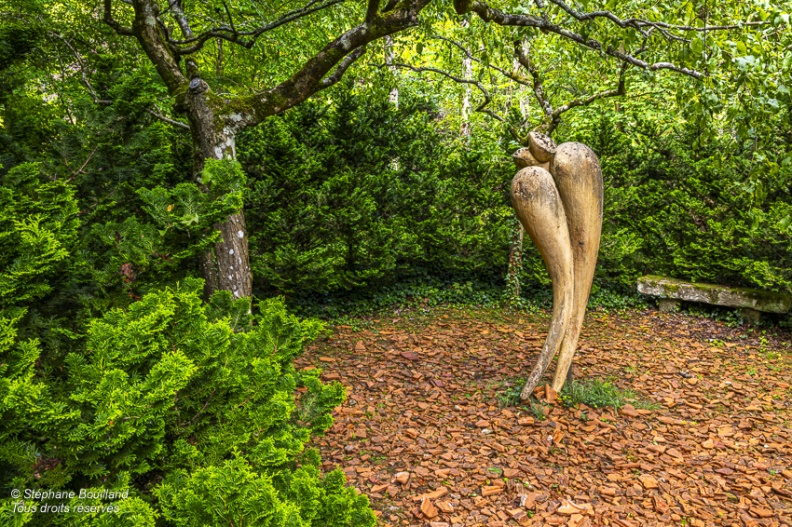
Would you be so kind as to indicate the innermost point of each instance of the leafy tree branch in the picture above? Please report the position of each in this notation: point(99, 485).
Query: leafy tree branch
point(543, 23)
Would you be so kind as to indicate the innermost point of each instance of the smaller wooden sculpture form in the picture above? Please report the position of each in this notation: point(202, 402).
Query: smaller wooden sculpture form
point(558, 195)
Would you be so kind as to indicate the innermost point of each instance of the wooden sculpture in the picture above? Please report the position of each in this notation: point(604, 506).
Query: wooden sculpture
point(558, 197)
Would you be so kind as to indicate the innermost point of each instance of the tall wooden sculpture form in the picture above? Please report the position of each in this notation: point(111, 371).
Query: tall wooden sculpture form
point(558, 196)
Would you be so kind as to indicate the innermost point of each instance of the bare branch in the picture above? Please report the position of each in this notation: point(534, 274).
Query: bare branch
point(178, 13)
point(158, 114)
point(342, 67)
point(741, 25)
point(230, 18)
point(582, 17)
point(538, 81)
point(110, 21)
point(480, 108)
point(513, 75)
point(79, 171)
point(248, 38)
point(555, 118)
point(552, 116)
point(615, 92)
point(460, 80)
point(460, 46)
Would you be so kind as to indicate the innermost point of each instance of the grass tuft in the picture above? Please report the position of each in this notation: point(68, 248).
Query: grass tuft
point(597, 393)
point(510, 396)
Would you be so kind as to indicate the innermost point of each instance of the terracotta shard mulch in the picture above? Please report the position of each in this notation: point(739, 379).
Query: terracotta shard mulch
point(424, 435)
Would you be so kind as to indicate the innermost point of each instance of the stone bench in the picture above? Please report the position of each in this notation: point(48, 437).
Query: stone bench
point(752, 302)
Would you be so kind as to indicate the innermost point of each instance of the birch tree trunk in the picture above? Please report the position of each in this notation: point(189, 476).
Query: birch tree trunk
point(393, 97)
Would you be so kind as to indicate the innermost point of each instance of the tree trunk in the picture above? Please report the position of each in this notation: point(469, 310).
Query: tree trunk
point(232, 257)
point(467, 65)
point(225, 267)
point(393, 97)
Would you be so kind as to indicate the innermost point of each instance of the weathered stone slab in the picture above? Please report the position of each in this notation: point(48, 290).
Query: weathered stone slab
point(668, 305)
point(717, 295)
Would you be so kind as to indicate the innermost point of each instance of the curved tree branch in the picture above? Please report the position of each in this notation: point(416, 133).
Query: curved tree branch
point(460, 80)
point(247, 38)
point(81, 67)
point(481, 108)
point(555, 118)
point(521, 53)
point(311, 77)
point(640, 24)
point(342, 67)
point(489, 14)
point(110, 21)
point(371, 10)
point(511, 75)
point(178, 13)
point(615, 92)
point(158, 114)
point(552, 115)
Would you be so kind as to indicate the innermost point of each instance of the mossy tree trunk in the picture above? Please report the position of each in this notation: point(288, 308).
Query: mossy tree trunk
point(225, 267)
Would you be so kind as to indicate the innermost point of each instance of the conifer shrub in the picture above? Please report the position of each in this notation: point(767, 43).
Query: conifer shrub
point(38, 226)
point(354, 192)
point(195, 408)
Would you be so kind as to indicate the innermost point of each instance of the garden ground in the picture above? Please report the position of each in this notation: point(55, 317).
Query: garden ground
point(431, 430)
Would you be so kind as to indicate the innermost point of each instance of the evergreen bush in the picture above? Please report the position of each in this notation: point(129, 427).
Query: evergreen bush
point(195, 408)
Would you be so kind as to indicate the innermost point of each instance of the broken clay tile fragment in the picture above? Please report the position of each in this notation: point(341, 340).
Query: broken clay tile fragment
point(551, 396)
point(428, 509)
point(491, 490)
point(568, 508)
point(442, 491)
point(510, 472)
point(648, 481)
point(629, 410)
